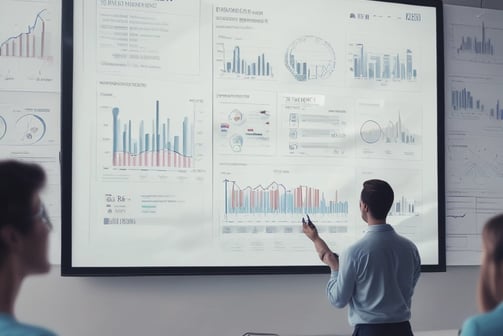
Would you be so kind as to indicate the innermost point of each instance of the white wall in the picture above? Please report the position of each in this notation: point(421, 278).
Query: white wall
point(223, 305)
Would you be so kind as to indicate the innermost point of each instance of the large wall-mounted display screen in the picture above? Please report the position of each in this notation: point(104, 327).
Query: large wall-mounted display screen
point(198, 133)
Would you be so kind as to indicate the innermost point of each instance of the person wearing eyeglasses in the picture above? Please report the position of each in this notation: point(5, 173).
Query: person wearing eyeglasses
point(375, 276)
point(490, 286)
point(24, 231)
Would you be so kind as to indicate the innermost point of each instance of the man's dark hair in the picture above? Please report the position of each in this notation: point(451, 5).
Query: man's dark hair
point(378, 196)
point(19, 182)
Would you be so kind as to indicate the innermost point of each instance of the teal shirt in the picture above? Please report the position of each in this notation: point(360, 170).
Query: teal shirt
point(487, 324)
point(10, 327)
point(376, 277)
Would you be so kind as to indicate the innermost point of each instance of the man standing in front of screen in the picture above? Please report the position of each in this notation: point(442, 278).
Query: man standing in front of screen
point(376, 276)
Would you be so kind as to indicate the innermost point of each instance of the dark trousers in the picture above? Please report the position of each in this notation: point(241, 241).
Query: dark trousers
point(384, 329)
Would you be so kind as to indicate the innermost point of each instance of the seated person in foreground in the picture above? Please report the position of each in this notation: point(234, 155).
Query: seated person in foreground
point(24, 230)
point(490, 286)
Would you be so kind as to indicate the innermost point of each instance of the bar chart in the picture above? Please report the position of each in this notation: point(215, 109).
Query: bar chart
point(464, 100)
point(155, 143)
point(480, 41)
point(236, 64)
point(403, 207)
point(477, 44)
point(366, 64)
point(277, 198)
point(30, 46)
point(29, 43)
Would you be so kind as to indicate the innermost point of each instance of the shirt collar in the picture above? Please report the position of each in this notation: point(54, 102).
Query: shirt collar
point(379, 228)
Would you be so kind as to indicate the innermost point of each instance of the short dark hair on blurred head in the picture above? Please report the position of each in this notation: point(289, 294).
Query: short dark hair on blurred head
point(378, 196)
point(19, 182)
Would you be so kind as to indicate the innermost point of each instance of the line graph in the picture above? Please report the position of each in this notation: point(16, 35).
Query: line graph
point(30, 43)
point(278, 198)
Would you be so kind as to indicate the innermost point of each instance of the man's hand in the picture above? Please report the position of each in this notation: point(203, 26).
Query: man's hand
point(309, 229)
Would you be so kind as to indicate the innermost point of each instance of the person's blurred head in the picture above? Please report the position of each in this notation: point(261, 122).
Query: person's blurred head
point(491, 271)
point(24, 225)
point(376, 196)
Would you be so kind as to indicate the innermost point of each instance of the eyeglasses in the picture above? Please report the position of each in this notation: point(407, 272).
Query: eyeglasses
point(43, 216)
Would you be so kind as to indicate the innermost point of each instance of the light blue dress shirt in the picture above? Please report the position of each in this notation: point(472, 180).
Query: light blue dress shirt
point(487, 324)
point(9, 326)
point(376, 277)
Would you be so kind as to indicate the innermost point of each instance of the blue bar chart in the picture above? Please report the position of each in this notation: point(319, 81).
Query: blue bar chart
point(381, 66)
point(464, 99)
point(254, 66)
point(403, 207)
point(276, 198)
point(478, 44)
point(157, 146)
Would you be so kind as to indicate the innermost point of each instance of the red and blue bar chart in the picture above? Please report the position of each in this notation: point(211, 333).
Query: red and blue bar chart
point(276, 198)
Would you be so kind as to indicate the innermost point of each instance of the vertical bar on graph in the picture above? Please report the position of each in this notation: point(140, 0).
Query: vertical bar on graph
point(238, 59)
point(185, 137)
point(115, 140)
point(263, 64)
point(147, 148)
point(124, 144)
point(42, 43)
point(163, 145)
point(129, 143)
point(142, 143)
point(176, 149)
point(157, 135)
point(226, 194)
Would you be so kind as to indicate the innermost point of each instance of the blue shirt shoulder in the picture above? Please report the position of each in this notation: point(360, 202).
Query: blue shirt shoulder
point(487, 324)
point(9, 326)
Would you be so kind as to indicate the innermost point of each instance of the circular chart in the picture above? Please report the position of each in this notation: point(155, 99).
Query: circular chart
point(30, 129)
point(310, 58)
point(370, 131)
point(236, 117)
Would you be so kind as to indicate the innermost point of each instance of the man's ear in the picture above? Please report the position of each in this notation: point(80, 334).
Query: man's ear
point(10, 237)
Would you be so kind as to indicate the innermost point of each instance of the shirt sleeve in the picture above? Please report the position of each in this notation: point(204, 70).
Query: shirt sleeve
point(417, 271)
point(340, 287)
